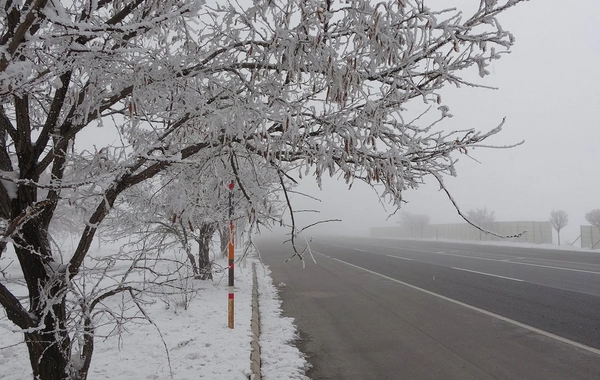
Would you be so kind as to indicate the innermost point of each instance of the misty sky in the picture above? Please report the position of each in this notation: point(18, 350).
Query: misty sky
point(549, 92)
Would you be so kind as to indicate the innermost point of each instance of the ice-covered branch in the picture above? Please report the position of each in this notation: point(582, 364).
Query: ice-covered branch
point(466, 219)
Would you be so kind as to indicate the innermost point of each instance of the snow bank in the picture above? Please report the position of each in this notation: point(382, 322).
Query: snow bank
point(197, 339)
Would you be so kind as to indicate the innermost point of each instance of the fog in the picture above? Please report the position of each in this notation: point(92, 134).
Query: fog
point(549, 93)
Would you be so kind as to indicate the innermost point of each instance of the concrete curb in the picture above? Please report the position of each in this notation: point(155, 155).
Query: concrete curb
point(255, 325)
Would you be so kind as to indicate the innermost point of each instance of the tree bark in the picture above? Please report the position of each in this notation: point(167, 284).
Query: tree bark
point(49, 351)
point(207, 231)
point(48, 341)
point(224, 238)
point(188, 249)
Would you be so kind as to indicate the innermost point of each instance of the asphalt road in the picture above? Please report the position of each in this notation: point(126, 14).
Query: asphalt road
point(392, 309)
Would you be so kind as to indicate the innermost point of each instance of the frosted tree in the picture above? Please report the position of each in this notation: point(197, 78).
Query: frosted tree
point(414, 223)
point(559, 219)
point(482, 217)
point(190, 201)
point(593, 217)
point(306, 88)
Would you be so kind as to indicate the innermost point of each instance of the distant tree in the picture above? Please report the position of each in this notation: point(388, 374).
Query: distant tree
point(481, 217)
point(190, 202)
point(559, 219)
point(593, 217)
point(415, 223)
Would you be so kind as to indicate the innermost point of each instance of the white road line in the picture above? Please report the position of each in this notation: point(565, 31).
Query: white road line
point(471, 257)
point(488, 274)
point(401, 258)
point(508, 261)
point(354, 249)
point(517, 263)
point(508, 320)
point(559, 268)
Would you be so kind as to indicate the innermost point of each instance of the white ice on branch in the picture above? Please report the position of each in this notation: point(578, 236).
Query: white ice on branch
point(257, 94)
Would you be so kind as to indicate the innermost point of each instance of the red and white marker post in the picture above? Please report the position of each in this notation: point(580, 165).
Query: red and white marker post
point(230, 258)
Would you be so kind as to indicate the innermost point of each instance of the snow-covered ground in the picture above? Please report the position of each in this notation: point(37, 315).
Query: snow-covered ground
point(185, 342)
point(188, 337)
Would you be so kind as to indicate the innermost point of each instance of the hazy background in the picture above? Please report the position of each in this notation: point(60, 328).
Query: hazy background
point(548, 91)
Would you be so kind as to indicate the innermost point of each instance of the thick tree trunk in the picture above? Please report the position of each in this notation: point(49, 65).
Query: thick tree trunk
point(48, 353)
point(207, 231)
point(48, 342)
point(47, 336)
point(50, 346)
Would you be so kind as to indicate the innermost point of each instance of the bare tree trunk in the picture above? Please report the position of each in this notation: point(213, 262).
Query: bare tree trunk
point(47, 337)
point(207, 231)
point(50, 359)
point(224, 238)
point(46, 321)
point(188, 249)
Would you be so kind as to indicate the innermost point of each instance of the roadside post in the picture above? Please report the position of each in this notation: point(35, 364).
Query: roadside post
point(230, 259)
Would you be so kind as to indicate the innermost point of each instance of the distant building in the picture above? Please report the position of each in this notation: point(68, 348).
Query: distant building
point(533, 232)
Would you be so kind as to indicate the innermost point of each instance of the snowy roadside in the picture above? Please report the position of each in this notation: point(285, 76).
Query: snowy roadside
point(280, 359)
point(185, 343)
